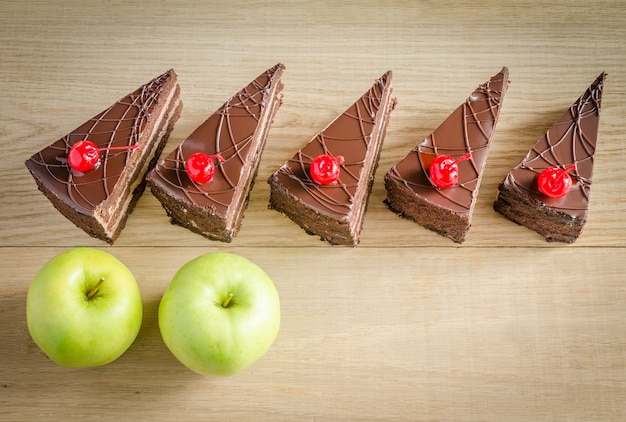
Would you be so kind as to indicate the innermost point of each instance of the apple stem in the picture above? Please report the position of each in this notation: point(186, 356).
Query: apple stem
point(95, 289)
point(227, 301)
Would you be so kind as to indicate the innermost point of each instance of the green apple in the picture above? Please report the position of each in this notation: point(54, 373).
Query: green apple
point(220, 313)
point(84, 308)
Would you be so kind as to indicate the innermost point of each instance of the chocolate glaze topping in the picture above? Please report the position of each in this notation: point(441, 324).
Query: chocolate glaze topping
point(349, 135)
point(228, 132)
point(468, 129)
point(119, 125)
point(571, 140)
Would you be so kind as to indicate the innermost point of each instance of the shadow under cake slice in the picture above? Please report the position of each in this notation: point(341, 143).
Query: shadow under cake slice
point(468, 130)
point(335, 211)
point(130, 135)
point(569, 145)
point(237, 132)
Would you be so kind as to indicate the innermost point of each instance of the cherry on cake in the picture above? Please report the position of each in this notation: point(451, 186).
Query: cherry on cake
point(95, 174)
point(324, 187)
point(436, 184)
point(204, 184)
point(548, 191)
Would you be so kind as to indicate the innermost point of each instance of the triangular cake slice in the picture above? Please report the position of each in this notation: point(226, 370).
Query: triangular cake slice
point(334, 211)
point(237, 131)
point(136, 127)
point(468, 130)
point(569, 145)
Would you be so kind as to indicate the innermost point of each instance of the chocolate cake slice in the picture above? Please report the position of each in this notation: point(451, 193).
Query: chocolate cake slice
point(463, 138)
point(235, 133)
point(567, 148)
point(119, 146)
point(334, 209)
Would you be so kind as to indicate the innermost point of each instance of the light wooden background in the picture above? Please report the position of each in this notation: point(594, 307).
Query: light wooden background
point(408, 325)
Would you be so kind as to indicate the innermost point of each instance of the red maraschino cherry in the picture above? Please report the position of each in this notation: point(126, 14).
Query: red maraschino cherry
point(325, 168)
point(201, 167)
point(444, 170)
point(85, 155)
point(555, 182)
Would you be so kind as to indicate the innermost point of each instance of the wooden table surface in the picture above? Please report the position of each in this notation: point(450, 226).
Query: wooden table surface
point(406, 326)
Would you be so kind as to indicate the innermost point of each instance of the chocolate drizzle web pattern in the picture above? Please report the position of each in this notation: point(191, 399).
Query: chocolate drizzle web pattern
point(119, 125)
point(571, 140)
point(468, 129)
point(336, 198)
point(228, 132)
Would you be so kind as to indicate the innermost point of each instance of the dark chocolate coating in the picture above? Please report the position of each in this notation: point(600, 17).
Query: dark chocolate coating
point(121, 124)
point(335, 211)
point(571, 140)
point(470, 129)
point(349, 136)
point(237, 131)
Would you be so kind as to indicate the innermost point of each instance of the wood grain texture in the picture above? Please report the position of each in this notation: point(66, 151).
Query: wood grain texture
point(406, 326)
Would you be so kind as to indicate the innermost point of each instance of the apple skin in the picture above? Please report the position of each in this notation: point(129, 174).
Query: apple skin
point(75, 331)
point(207, 337)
